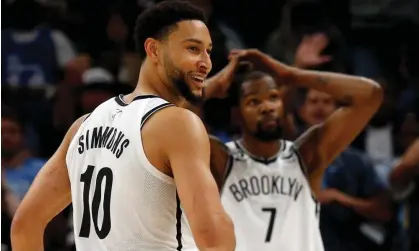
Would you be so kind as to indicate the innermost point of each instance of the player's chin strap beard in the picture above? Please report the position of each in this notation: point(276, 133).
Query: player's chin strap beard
point(184, 90)
point(268, 136)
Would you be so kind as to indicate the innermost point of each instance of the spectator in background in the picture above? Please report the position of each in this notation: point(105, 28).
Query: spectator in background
point(377, 139)
point(301, 21)
point(9, 203)
point(407, 129)
point(18, 164)
point(99, 85)
point(117, 59)
point(405, 180)
point(316, 107)
point(19, 169)
point(379, 31)
point(32, 54)
point(352, 194)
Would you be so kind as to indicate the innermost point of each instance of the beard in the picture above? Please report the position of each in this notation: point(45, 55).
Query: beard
point(268, 135)
point(178, 78)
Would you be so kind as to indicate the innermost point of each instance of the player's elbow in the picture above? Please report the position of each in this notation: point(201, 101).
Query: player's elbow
point(375, 93)
point(23, 225)
point(18, 228)
point(218, 236)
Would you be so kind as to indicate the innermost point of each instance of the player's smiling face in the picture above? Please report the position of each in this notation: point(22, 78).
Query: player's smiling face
point(186, 58)
point(261, 109)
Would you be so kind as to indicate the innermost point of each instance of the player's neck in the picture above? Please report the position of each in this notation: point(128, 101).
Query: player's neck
point(149, 83)
point(260, 148)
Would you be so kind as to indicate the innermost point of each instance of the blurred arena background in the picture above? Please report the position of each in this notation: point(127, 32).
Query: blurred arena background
point(62, 58)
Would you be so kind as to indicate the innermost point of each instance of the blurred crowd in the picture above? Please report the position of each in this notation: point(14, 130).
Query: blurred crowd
point(61, 59)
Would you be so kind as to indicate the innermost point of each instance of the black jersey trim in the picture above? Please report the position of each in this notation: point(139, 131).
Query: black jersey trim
point(144, 97)
point(301, 163)
point(283, 146)
point(178, 224)
point(152, 111)
point(229, 168)
point(265, 161)
point(119, 99)
point(88, 115)
point(304, 169)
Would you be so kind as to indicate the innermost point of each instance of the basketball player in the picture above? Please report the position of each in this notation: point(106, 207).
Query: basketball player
point(138, 164)
point(268, 182)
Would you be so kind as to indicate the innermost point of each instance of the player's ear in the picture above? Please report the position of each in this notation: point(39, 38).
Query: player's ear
point(152, 48)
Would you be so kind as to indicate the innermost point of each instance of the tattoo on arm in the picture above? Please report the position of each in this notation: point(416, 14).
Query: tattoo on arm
point(347, 100)
point(307, 145)
point(322, 80)
point(312, 133)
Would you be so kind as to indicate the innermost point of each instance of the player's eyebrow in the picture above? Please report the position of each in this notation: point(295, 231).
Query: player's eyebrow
point(251, 93)
point(194, 40)
point(256, 92)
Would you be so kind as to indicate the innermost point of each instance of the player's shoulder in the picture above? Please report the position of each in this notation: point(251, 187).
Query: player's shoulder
point(287, 145)
point(236, 152)
point(77, 124)
point(289, 151)
point(102, 108)
point(176, 123)
point(177, 116)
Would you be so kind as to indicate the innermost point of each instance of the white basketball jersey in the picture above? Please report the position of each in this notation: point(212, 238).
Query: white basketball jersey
point(270, 202)
point(120, 201)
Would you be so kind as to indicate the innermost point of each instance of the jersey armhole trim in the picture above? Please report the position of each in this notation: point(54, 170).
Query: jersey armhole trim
point(178, 223)
point(150, 167)
point(152, 111)
point(88, 115)
point(120, 101)
point(229, 167)
point(304, 170)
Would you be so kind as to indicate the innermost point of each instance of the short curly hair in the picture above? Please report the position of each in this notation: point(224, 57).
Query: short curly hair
point(160, 20)
point(243, 74)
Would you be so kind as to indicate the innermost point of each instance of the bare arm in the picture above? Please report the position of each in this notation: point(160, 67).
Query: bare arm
point(219, 160)
point(321, 144)
point(217, 86)
point(186, 149)
point(408, 167)
point(9, 200)
point(48, 195)
point(375, 208)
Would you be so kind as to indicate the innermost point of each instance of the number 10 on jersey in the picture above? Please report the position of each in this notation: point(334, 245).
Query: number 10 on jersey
point(88, 215)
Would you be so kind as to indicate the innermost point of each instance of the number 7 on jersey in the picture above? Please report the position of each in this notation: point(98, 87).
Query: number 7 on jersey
point(272, 212)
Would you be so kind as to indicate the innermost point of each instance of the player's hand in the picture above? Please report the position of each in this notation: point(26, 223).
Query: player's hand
point(253, 56)
point(218, 85)
point(328, 196)
point(309, 51)
point(263, 62)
